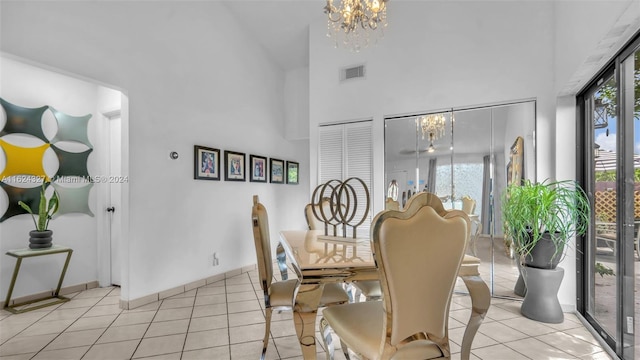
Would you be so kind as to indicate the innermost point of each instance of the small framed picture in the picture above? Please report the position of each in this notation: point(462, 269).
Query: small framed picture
point(277, 171)
point(207, 163)
point(258, 168)
point(234, 166)
point(292, 172)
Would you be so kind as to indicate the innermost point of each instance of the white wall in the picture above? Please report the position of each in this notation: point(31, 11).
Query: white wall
point(191, 76)
point(31, 87)
point(296, 99)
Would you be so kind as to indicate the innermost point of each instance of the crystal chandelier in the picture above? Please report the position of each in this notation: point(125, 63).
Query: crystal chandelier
point(356, 22)
point(431, 125)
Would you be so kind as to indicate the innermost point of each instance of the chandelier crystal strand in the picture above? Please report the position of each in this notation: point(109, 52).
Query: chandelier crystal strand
point(355, 23)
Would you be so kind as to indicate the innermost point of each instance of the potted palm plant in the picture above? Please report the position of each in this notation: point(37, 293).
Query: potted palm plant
point(41, 237)
point(541, 218)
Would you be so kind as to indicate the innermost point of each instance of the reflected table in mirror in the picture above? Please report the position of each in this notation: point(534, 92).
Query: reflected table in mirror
point(318, 260)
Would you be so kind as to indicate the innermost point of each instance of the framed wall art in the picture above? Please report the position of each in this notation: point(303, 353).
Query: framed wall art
point(258, 168)
point(509, 173)
point(292, 172)
point(517, 161)
point(206, 163)
point(234, 166)
point(277, 171)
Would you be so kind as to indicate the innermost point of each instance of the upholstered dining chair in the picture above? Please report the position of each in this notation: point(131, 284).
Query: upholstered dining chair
point(370, 288)
point(280, 295)
point(312, 221)
point(469, 207)
point(411, 321)
point(468, 204)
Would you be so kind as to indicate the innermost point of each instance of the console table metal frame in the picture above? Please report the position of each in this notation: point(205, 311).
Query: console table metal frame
point(26, 253)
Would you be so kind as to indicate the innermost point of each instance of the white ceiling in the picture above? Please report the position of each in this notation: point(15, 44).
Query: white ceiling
point(282, 27)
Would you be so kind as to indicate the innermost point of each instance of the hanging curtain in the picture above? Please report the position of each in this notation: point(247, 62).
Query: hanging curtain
point(485, 215)
point(431, 180)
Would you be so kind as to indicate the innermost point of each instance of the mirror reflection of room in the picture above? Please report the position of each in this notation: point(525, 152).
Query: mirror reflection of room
point(466, 156)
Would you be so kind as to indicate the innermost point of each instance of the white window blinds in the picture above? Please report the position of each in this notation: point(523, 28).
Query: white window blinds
point(346, 150)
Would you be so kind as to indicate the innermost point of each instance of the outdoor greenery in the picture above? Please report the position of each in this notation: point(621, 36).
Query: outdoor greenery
point(608, 93)
point(610, 175)
point(45, 209)
point(604, 270)
point(529, 210)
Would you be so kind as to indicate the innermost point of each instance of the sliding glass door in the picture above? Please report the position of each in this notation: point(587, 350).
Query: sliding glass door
point(611, 254)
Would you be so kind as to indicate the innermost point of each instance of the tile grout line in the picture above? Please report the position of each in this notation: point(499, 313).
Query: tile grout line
point(66, 328)
point(186, 335)
point(105, 330)
point(226, 304)
point(147, 330)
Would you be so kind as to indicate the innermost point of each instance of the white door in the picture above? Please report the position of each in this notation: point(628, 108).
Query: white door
point(115, 198)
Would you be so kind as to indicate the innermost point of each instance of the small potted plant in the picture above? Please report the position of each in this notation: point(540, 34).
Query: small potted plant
point(541, 219)
point(41, 237)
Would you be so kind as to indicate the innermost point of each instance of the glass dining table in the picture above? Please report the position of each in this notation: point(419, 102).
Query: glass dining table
point(318, 259)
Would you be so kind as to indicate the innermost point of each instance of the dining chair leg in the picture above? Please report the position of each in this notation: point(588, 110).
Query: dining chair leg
point(327, 340)
point(267, 330)
point(281, 257)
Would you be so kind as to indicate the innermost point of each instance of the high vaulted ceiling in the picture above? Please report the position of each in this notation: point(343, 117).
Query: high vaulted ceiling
point(282, 27)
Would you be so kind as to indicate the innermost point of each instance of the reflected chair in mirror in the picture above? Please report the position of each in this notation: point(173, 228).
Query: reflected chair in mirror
point(279, 295)
point(411, 321)
point(370, 289)
point(469, 207)
point(391, 204)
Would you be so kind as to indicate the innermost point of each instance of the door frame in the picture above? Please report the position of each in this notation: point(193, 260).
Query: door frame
point(103, 199)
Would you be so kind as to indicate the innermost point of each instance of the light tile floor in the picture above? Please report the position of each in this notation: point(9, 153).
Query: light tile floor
point(225, 320)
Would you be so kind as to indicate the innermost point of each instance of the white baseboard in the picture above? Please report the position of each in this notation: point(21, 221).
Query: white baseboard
point(148, 299)
point(134, 303)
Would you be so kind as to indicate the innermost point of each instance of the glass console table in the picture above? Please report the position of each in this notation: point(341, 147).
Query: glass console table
point(26, 253)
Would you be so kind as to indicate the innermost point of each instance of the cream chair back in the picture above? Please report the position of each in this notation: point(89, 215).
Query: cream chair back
point(260, 223)
point(312, 221)
point(424, 241)
point(468, 205)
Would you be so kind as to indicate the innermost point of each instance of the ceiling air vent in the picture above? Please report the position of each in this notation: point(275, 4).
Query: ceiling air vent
point(354, 72)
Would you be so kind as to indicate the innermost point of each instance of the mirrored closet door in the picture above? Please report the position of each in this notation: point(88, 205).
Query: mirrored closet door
point(467, 156)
